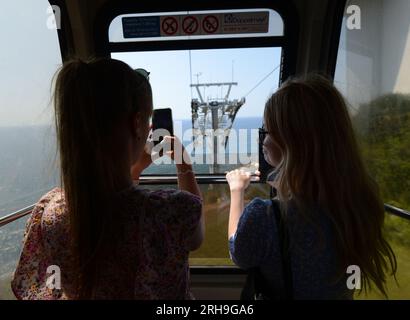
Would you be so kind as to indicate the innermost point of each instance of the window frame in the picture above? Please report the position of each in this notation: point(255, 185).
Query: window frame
point(341, 7)
point(65, 35)
point(288, 44)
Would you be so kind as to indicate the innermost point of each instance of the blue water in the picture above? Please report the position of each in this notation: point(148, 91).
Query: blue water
point(28, 167)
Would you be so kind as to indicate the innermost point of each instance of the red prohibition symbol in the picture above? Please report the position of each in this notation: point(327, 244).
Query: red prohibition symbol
point(190, 25)
point(170, 26)
point(210, 24)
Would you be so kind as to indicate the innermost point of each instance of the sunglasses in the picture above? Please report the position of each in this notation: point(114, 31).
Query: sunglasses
point(263, 131)
point(143, 72)
point(262, 134)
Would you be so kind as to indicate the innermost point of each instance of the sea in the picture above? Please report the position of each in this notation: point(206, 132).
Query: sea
point(28, 158)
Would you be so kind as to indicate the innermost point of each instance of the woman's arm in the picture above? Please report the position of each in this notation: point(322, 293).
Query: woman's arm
point(187, 182)
point(143, 162)
point(186, 176)
point(186, 179)
point(236, 210)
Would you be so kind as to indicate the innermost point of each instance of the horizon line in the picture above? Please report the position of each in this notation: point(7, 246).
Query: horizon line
point(52, 125)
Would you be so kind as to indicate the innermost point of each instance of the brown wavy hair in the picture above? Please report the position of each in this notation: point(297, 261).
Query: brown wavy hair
point(92, 100)
point(321, 166)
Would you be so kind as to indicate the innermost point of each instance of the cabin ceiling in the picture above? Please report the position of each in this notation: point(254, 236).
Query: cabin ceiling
point(317, 25)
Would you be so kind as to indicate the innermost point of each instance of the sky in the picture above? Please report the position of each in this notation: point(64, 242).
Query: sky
point(171, 80)
point(32, 56)
point(27, 63)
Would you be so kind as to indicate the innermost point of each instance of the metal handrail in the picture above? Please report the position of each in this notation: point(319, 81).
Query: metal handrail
point(26, 211)
point(397, 211)
point(16, 215)
point(144, 180)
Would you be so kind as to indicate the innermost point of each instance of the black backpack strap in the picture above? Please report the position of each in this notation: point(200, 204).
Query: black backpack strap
point(283, 236)
point(250, 289)
point(255, 286)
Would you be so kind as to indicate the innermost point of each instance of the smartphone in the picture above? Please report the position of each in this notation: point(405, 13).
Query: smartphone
point(162, 119)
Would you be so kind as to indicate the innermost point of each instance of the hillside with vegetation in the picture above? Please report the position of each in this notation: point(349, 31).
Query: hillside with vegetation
point(383, 130)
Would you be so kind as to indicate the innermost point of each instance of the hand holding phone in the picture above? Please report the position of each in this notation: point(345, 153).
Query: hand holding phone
point(162, 120)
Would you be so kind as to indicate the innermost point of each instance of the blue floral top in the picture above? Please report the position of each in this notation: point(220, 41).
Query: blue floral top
point(312, 252)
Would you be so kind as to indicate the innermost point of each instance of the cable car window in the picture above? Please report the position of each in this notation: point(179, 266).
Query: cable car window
point(28, 60)
point(28, 64)
point(372, 72)
point(209, 87)
point(217, 97)
point(220, 92)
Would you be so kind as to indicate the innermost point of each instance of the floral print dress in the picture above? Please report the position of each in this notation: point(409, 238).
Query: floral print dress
point(149, 260)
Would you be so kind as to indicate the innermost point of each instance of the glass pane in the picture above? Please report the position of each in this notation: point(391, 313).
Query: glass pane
point(373, 74)
point(223, 89)
point(27, 63)
point(11, 237)
point(214, 251)
point(185, 25)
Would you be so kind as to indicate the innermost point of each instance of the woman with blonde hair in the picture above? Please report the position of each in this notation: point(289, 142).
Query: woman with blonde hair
point(103, 236)
point(327, 215)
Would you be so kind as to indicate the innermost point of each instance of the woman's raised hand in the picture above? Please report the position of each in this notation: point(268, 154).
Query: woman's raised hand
point(173, 148)
point(239, 179)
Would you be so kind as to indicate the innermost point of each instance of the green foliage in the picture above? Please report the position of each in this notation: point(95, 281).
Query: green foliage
point(214, 250)
point(383, 129)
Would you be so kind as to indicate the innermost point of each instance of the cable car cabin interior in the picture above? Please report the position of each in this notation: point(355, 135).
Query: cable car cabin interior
point(214, 64)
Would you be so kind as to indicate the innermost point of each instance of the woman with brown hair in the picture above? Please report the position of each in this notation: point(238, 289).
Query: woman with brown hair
point(107, 237)
point(327, 215)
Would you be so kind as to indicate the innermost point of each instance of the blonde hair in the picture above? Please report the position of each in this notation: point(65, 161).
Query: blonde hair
point(321, 166)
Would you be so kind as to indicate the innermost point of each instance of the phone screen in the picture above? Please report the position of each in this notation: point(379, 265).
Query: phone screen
point(162, 119)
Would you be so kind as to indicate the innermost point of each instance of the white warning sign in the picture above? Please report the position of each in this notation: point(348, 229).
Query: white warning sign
point(197, 24)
